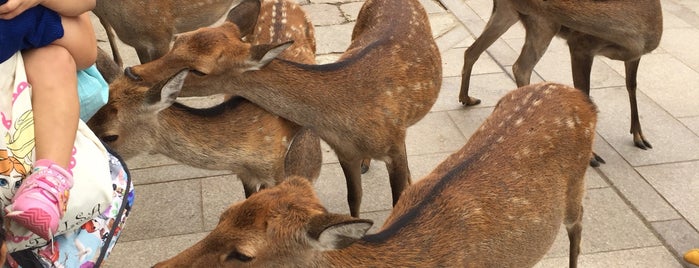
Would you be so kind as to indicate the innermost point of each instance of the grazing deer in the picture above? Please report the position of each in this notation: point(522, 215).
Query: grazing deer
point(618, 29)
point(148, 26)
point(260, 147)
point(497, 202)
point(361, 105)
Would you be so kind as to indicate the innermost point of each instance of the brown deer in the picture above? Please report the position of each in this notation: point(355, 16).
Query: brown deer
point(361, 105)
point(260, 147)
point(618, 29)
point(149, 26)
point(497, 202)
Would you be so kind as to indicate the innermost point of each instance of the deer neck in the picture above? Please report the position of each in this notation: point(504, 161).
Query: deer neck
point(307, 95)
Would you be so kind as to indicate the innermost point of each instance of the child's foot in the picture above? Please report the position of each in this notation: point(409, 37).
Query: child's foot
point(41, 199)
point(692, 256)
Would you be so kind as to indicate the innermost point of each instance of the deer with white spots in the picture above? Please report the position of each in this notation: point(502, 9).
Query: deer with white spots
point(497, 202)
point(621, 30)
point(361, 105)
point(261, 148)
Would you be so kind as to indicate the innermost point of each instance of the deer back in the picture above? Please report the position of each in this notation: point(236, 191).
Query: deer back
point(500, 200)
point(149, 26)
point(633, 25)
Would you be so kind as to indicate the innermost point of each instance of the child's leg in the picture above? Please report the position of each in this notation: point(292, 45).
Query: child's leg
point(52, 73)
point(41, 200)
point(79, 39)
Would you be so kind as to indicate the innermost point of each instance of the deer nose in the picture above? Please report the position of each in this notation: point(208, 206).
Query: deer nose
point(130, 74)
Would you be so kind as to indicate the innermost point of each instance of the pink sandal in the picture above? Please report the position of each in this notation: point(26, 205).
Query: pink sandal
point(41, 200)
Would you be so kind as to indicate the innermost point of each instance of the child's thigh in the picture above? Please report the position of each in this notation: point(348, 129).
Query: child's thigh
point(79, 39)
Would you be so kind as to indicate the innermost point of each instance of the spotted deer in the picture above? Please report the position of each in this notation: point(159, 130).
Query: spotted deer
point(149, 26)
point(361, 105)
point(497, 202)
point(621, 30)
point(237, 135)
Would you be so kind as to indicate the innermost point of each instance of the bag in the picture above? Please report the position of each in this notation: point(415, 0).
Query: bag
point(90, 244)
point(92, 191)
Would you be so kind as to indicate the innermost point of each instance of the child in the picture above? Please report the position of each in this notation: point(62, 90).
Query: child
point(56, 39)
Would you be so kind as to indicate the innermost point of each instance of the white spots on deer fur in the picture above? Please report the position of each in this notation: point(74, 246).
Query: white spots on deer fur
point(285, 140)
point(537, 102)
point(570, 123)
point(500, 139)
point(519, 201)
point(519, 121)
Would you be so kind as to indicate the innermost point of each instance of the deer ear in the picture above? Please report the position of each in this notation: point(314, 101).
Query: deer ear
point(261, 55)
point(244, 15)
point(164, 93)
point(330, 231)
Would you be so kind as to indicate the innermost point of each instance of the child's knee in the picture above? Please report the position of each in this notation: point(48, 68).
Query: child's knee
point(51, 57)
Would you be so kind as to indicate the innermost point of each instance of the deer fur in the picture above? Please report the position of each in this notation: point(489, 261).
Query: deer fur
point(260, 147)
point(497, 202)
point(149, 26)
point(621, 30)
point(361, 105)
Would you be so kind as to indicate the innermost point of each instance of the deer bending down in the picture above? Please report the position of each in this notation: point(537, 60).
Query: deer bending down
point(498, 202)
point(260, 147)
point(148, 26)
point(618, 29)
point(361, 105)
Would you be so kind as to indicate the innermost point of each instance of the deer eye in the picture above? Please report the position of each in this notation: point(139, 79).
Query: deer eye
point(235, 255)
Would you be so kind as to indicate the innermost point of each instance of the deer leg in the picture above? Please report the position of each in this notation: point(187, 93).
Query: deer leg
point(573, 219)
point(539, 33)
point(502, 18)
point(398, 171)
point(631, 71)
point(353, 178)
point(581, 62)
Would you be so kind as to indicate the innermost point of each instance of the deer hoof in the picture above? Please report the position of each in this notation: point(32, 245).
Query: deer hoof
point(366, 163)
point(470, 101)
point(642, 143)
point(596, 160)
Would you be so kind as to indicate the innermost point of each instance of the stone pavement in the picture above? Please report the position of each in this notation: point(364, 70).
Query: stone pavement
point(641, 208)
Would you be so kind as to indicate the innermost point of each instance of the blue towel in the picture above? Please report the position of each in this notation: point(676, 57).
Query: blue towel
point(92, 90)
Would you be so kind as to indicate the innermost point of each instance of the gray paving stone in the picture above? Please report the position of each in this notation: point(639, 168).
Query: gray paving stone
point(608, 225)
point(435, 133)
point(332, 189)
point(650, 257)
point(149, 160)
point(351, 10)
point(635, 189)
point(679, 235)
point(333, 38)
point(324, 14)
point(145, 253)
point(441, 23)
point(489, 88)
point(692, 123)
point(451, 38)
point(171, 173)
point(219, 193)
point(679, 184)
point(164, 209)
point(448, 95)
point(660, 72)
point(670, 139)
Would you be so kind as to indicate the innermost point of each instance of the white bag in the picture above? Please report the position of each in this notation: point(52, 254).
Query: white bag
point(92, 187)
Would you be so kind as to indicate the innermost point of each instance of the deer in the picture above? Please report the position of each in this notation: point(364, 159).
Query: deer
point(149, 26)
point(499, 201)
point(361, 105)
point(618, 29)
point(261, 148)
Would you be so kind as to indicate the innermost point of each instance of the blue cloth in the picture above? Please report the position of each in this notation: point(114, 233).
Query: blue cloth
point(93, 91)
point(35, 27)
